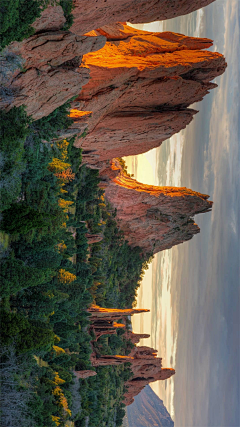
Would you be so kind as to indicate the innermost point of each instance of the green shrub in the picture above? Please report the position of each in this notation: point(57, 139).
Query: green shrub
point(67, 6)
point(16, 16)
point(20, 218)
point(26, 334)
point(13, 133)
point(15, 275)
point(47, 127)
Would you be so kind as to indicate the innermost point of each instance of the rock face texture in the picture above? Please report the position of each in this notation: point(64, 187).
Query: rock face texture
point(51, 73)
point(140, 88)
point(92, 14)
point(84, 374)
point(154, 218)
point(145, 365)
point(52, 18)
point(146, 368)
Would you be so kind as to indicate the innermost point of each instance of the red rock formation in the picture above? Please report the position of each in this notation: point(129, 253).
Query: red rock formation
point(112, 313)
point(51, 73)
point(94, 238)
point(146, 368)
point(154, 218)
point(84, 374)
point(52, 18)
point(135, 338)
point(92, 14)
point(145, 365)
point(140, 89)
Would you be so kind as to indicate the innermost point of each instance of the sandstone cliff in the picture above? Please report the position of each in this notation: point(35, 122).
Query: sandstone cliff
point(154, 218)
point(140, 88)
point(92, 14)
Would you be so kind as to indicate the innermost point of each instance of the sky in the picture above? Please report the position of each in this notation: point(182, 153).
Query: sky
point(193, 289)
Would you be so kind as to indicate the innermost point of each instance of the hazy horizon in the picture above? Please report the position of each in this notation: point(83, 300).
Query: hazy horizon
point(193, 289)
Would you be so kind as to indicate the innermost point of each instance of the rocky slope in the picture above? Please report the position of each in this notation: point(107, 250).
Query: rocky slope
point(154, 218)
point(92, 14)
point(140, 88)
point(148, 410)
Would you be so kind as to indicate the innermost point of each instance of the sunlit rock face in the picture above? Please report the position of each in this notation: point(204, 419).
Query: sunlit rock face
point(145, 365)
point(154, 218)
point(140, 88)
point(51, 73)
point(92, 14)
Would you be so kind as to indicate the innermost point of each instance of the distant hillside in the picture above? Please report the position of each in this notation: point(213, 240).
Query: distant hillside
point(148, 410)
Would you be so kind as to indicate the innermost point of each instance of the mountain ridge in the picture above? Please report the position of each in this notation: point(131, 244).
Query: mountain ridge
point(148, 410)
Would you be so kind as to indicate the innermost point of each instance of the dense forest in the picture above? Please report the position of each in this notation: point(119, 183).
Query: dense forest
point(51, 272)
point(50, 204)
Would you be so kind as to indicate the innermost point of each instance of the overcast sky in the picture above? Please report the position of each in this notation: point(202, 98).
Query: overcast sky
point(195, 286)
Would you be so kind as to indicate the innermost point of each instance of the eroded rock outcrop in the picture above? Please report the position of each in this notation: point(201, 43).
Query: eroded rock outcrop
point(113, 314)
point(146, 368)
point(84, 374)
point(140, 90)
point(145, 365)
point(92, 14)
point(50, 75)
point(52, 18)
point(154, 218)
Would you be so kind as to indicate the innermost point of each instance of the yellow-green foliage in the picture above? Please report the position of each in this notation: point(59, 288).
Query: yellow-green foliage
point(66, 277)
point(58, 166)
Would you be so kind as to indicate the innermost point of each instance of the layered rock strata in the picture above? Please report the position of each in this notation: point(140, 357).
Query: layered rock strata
point(92, 14)
point(154, 218)
point(50, 73)
point(140, 90)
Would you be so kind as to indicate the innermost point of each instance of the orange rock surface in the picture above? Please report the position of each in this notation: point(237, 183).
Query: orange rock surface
point(140, 90)
point(154, 218)
point(112, 313)
point(92, 14)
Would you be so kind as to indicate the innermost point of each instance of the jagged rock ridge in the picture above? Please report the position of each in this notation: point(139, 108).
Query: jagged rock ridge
point(140, 89)
point(154, 218)
point(145, 364)
point(92, 14)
